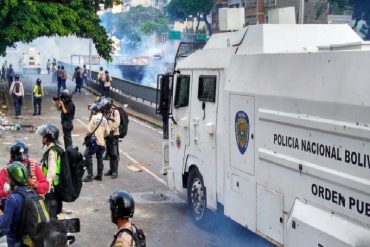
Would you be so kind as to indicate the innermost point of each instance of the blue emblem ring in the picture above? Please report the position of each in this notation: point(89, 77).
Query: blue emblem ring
point(242, 129)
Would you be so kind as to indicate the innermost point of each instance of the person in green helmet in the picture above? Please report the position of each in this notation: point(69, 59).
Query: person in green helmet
point(12, 215)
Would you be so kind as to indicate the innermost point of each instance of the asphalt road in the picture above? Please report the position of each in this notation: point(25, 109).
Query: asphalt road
point(161, 213)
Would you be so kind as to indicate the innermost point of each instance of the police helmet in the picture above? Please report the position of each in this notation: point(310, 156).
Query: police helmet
point(96, 107)
point(122, 205)
point(17, 172)
point(65, 94)
point(62, 67)
point(106, 72)
point(16, 77)
point(49, 131)
point(107, 103)
point(38, 81)
point(101, 68)
point(19, 151)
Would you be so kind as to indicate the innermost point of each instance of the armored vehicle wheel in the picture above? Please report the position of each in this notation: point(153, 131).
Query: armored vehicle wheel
point(197, 199)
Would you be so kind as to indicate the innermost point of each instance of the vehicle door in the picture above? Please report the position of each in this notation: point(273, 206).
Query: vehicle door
point(179, 127)
point(203, 128)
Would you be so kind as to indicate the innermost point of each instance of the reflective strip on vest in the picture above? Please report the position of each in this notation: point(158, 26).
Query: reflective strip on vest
point(45, 168)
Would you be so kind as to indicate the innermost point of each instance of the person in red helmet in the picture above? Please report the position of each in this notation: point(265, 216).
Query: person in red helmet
point(19, 151)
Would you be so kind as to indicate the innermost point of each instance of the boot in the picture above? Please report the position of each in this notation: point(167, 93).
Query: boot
point(100, 170)
point(87, 179)
point(108, 173)
point(98, 177)
point(114, 169)
point(89, 168)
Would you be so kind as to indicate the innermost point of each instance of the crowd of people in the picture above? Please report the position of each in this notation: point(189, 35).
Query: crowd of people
point(24, 179)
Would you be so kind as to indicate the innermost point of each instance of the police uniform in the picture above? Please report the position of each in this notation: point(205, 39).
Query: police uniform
point(38, 92)
point(51, 164)
point(100, 133)
point(114, 121)
point(123, 239)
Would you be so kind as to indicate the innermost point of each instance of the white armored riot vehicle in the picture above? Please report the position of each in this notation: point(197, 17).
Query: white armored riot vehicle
point(271, 126)
point(31, 61)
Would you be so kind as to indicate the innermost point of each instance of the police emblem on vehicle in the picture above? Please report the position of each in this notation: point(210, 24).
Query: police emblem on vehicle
point(242, 131)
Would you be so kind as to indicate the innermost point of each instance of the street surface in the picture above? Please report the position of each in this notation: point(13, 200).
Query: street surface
point(164, 218)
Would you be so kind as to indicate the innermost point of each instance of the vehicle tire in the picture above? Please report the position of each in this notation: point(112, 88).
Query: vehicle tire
point(197, 199)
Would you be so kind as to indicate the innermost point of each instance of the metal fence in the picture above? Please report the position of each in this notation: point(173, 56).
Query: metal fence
point(139, 98)
point(131, 89)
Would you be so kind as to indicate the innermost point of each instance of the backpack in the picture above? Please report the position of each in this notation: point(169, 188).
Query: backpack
point(79, 74)
point(71, 173)
point(17, 86)
point(137, 235)
point(123, 126)
point(34, 211)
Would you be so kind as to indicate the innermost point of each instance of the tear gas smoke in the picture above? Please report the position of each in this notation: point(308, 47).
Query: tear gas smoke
point(60, 48)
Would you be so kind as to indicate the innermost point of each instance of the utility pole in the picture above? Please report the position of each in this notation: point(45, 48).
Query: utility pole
point(301, 11)
point(90, 57)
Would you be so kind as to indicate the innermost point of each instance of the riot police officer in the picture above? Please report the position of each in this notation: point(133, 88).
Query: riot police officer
point(97, 129)
point(51, 165)
point(114, 120)
point(122, 207)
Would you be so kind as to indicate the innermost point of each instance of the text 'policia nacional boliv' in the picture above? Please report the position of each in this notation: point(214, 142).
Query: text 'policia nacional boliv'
point(327, 151)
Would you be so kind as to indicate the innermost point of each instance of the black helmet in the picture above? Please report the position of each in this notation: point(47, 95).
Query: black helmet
point(62, 66)
point(50, 131)
point(107, 103)
point(19, 151)
point(122, 205)
point(16, 77)
point(96, 107)
point(38, 81)
point(101, 68)
point(65, 94)
point(107, 72)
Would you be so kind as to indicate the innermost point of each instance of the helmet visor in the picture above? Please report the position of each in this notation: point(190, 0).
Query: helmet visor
point(42, 130)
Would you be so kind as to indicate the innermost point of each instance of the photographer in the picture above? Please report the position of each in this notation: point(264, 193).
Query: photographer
point(66, 106)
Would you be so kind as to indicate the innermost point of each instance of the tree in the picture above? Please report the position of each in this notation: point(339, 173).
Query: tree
point(133, 25)
point(180, 9)
point(360, 10)
point(26, 20)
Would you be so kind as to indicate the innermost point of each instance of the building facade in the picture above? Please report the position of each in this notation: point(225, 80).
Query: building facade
point(256, 11)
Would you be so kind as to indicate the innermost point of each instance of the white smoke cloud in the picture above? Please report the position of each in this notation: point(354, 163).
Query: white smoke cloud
point(60, 48)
